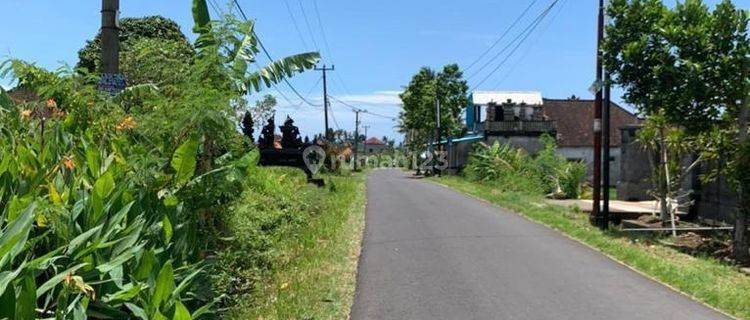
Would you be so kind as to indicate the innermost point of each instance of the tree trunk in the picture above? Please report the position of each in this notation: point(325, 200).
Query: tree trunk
point(740, 244)
point(663, 188)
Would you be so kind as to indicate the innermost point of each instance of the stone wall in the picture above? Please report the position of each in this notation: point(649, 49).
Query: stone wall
point(635, 168)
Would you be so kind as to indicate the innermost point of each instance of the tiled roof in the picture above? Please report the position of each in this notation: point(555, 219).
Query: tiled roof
point(575, 121)
point(374, 141)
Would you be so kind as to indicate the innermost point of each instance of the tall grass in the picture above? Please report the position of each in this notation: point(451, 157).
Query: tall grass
point(294, 247)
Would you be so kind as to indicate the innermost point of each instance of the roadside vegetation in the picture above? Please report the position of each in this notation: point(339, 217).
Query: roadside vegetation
point(706, 279)
point(150, 204)
point(295, 247)
point(513, 169)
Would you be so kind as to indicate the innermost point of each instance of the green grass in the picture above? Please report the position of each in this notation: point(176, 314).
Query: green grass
point(704, 279)
point(307, 268)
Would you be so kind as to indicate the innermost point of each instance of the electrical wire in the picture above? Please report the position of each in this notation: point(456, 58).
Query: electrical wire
point(529, 31)
point(294, 21)
point(268, 55)
point(531, 25)
point(307, 22)
point(355, 109)
point(322, 30)
point(505, 33)
point(533, 44)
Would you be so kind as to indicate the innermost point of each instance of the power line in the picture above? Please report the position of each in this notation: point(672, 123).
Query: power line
point(529, 31)
point(294, 21)
point(531, 25)
point(307, 22)
point(322, 30)
point(355, 109)
point(217, 9)
point(268, 55)
point(510, 27)
point(525, 53)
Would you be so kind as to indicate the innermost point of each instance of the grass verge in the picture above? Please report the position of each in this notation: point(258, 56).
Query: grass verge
point(308, 264)
point(707, 280)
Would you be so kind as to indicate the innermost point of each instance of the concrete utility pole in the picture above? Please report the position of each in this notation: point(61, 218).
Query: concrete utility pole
point(606, 128)
point(110, 37)
point(596, 215)
point(325, 97)
point(365, 143)
point(437, 140)
point(356, 136)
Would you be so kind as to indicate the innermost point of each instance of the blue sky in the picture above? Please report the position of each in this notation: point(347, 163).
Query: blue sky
point(376, 46)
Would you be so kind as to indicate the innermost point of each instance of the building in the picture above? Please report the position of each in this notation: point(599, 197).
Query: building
point(521, 118)
point(575, 134)
point(375, 146)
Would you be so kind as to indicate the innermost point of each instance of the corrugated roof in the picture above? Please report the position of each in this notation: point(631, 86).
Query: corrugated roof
point(499, 97)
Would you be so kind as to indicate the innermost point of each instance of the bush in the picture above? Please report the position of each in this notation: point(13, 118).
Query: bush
point(513, 169)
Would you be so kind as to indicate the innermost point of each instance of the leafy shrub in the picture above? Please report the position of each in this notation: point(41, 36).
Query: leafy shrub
point(512, 169)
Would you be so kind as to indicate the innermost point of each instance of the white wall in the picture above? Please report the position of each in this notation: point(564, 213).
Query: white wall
point(586, 154)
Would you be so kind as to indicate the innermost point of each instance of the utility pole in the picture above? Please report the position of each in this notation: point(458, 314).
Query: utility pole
point(437, 140)
point(110, 37)
point(606, 137)
point(325, 97)
point(356, 136)
point(365, 143)
point(596, 215)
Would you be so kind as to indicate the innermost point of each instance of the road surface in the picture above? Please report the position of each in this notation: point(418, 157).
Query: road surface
point(432, 253)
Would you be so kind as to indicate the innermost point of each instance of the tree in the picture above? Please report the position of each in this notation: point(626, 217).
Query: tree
point(418, 118)
point(685, 69)
point(132, 30)
point(263, 110)
point(248, 126)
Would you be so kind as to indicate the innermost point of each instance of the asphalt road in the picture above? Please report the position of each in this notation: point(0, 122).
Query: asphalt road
point(432, 253)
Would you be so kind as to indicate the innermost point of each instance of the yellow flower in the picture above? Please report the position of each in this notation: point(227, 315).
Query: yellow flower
point(127, 124)
point(26, 114)
point(68, 163)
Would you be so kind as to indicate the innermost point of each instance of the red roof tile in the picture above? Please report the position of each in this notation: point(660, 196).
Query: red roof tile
point(575, 120)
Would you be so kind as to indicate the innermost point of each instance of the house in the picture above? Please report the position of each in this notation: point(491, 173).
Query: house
point(575, 134)
point(375, 146)
point(520, 118)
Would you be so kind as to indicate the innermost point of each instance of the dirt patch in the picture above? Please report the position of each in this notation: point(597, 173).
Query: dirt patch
point(696, 244)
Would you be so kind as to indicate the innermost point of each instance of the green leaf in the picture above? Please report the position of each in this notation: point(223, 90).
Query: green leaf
point(8, 304)
point(147, 263)
point(137, 311)
point(128, 292)
point(26, 302)
point(6, 277)
point(167, 228)
point(246, 49)
point(54, 281)
point(82, 238)
point(102, 188)
point(119, 260)
point(159, 316)
point(5, 102)
point(183, 161)
point(14, 236)
point(105, 184)
point(281, 69)
point(180, 312)
point(164, 285)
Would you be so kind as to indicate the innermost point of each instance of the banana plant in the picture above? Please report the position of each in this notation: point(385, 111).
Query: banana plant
point(238, 44)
